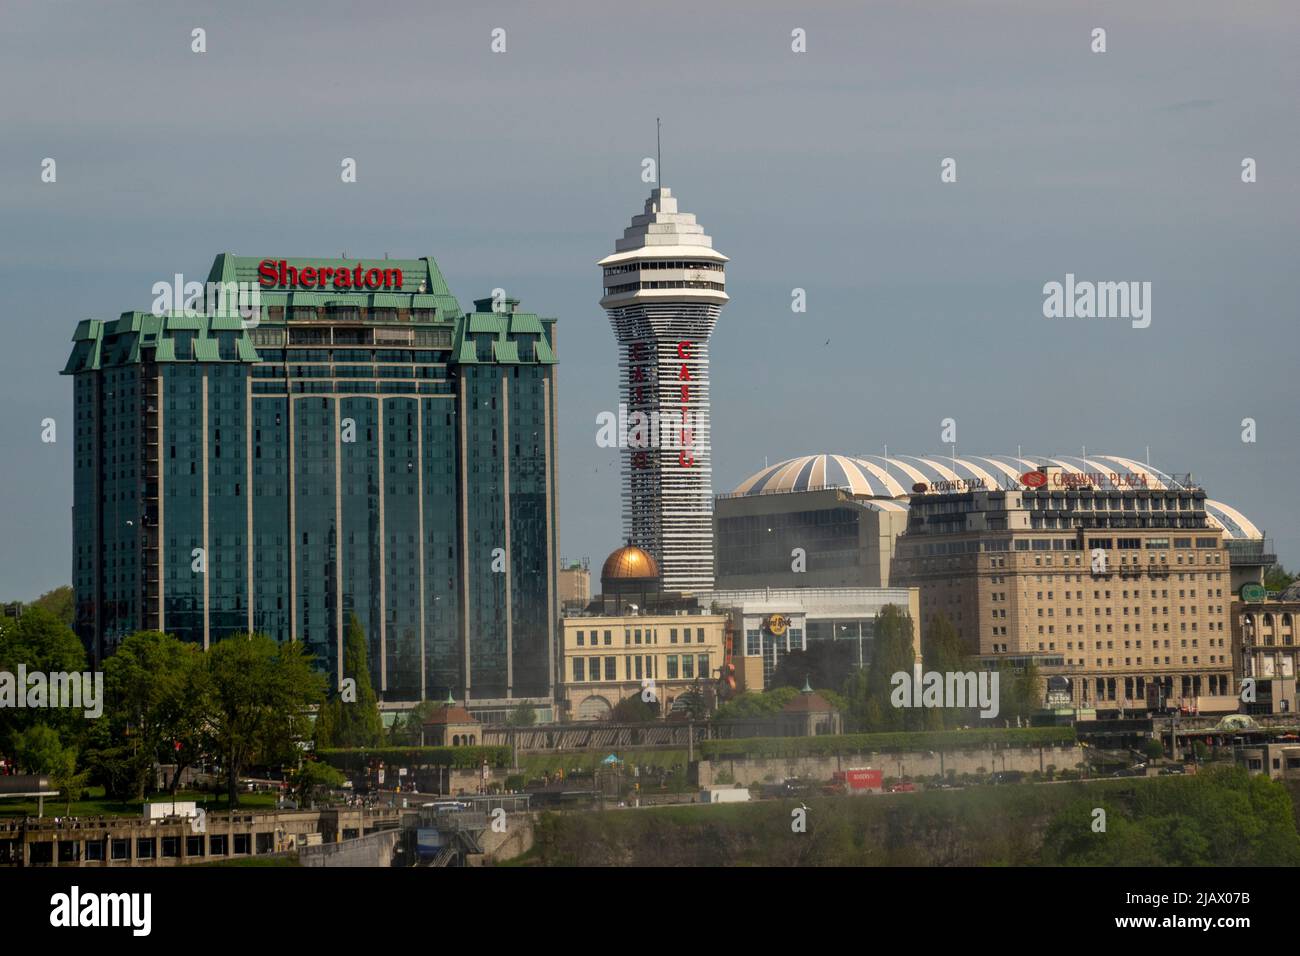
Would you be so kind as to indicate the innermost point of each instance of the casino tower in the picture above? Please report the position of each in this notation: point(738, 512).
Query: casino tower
point(663, 291)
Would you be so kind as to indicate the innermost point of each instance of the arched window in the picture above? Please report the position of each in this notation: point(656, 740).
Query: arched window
point(594, 708)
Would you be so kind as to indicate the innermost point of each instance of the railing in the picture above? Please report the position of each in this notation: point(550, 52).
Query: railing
point(1251, 552)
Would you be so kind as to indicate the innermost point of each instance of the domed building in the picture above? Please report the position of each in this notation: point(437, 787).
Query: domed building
point(1112, 575)
point(629, 579)
point(846, 511)
point(636, 640)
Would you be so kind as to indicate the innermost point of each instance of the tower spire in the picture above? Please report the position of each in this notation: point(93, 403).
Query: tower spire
point(659, 156)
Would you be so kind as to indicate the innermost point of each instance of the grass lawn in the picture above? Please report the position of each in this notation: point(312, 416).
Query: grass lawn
point(100, 806)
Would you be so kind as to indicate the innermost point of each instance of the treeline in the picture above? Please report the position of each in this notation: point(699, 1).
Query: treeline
point(247, 702)
point(1216, 818)
point(863, 696)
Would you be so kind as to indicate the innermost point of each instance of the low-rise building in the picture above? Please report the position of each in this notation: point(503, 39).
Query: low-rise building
point(635, 639)
point(769, 623)
point(1264, 650)
point(452, 726)
point(1281, 761)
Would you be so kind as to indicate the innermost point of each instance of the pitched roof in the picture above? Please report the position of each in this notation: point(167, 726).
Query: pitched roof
point(813, 703)
point(450, 715)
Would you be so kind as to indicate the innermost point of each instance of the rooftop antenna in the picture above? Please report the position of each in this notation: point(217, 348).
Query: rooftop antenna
point(659, 158)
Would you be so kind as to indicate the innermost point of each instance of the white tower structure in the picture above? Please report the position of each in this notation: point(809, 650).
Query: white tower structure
point(664, 289)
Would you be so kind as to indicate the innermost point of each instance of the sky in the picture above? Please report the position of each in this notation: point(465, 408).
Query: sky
point(816, 170)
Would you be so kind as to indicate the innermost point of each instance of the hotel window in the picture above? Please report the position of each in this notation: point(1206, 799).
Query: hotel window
point(699, 635)
point(672, 667)
point(593, 667)
point(753, 643)
point(688, 667)
point(703, 664)
point(611, 668)
point(672, 635)
point(579, 665)
point(580, 638)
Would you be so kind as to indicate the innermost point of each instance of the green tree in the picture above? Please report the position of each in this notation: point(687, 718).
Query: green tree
point(39, 750)
point(943, 652)
point(1020, 692)
point(522, 716)
point(312, 778)
point(157, 697)
point(60, 603)
point(633, 710)
point(1154, 749)
point(893, 652)
point(40, 642)
point(407, 729)
point(1277, 578)
point(261, 692)
point(754, 704)
point(351, 723)
point(824, 664)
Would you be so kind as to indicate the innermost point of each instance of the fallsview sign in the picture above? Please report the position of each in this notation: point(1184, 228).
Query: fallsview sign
point(272, 274)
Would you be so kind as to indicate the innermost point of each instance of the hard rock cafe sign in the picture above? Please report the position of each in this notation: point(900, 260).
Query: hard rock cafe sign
point(777, 624)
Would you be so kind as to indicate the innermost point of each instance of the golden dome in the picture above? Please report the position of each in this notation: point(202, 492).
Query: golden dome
point(629, 563)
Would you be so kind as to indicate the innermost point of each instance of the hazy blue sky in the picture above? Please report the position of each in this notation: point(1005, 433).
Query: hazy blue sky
point(818, 170)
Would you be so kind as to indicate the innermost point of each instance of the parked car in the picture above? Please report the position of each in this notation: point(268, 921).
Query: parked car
point(903, 786)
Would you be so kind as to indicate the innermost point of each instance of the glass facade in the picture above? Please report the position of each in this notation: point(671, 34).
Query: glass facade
point(383, 455)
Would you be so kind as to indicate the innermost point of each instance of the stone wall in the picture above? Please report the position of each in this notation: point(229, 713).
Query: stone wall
point(517, 840)
point(375, 849)
point(756, 770)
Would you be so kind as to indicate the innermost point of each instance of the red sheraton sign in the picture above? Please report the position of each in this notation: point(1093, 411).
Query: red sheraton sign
point(271, 273)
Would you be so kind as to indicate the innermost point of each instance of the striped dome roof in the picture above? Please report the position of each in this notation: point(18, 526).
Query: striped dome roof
point(892, 478)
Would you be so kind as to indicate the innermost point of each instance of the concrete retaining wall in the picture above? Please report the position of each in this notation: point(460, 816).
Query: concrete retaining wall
point(374, 849)
point(752, 770)
point(517, 840)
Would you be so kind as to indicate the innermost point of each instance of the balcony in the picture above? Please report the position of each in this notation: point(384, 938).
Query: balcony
point(1251, 553)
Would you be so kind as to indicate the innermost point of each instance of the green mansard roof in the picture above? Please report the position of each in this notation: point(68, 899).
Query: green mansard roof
point(99, 343)
point(416, 273)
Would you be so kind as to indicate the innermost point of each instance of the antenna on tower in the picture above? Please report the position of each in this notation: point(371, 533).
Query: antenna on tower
point(659, 157)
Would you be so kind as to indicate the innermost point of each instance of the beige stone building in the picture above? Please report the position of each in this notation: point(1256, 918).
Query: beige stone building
point(1124, 592)
point(1264, 648)
point(769, 623)
point(574, 587)
point(452, 726)
point(609, 658)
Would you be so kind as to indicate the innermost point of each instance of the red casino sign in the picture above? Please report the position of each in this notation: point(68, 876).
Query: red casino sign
point(1033, 479)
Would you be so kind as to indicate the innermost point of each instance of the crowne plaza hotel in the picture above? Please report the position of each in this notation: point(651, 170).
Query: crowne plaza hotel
point(363, 446)
point(1118, 587)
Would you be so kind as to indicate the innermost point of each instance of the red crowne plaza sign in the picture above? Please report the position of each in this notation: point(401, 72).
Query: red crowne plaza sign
point(271, 273)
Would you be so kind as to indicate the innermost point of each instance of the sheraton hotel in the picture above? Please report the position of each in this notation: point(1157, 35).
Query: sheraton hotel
point(365, 448)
